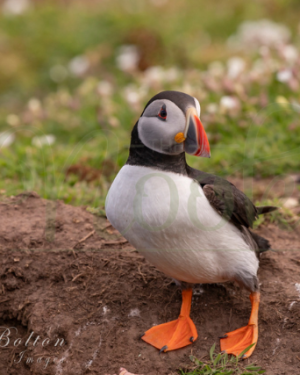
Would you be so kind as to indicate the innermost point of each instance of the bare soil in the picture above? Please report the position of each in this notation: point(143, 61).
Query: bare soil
point(66, 274)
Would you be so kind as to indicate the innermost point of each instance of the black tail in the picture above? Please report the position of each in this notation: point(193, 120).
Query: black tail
point(265, 209)
point(262, 243)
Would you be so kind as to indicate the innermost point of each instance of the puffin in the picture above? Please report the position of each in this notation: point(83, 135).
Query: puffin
point(193, 226)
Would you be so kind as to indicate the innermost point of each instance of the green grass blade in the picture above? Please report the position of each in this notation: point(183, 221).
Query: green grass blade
point(211, 352)
point(252, 368)
point(245, 351)
point(217, 359)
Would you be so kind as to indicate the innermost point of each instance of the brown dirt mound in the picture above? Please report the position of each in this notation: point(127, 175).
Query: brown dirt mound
point(97, 294)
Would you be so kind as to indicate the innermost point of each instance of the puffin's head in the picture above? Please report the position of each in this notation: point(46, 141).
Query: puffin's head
point(170, 124)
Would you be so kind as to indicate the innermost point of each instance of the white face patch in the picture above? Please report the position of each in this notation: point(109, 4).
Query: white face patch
point(159, 134)
point(198, 108)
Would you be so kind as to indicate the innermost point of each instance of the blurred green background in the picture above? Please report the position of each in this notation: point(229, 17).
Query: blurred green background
point(75, 76)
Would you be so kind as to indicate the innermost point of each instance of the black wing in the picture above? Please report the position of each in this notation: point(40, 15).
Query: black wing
point(231, 203)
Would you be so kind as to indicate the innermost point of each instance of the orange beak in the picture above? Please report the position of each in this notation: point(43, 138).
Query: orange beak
point(196, 142)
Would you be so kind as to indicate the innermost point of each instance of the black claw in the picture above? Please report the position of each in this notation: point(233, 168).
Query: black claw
point(223, 337)
point(243, 356)
point(143, 334)
point(163, 349)
point(192, 339)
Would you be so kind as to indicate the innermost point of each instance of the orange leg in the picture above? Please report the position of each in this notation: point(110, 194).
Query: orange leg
point(177, 333)
point(236, 341)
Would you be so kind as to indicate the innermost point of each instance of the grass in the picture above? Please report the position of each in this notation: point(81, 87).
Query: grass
point(284, 217)
point(30, 47)
point(92, 129)
point(40, 95)
point(222, 364)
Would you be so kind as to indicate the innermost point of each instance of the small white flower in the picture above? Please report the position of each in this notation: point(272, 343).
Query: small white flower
point(212, 108)
point(284, 75)
point(128, 58)
point(296, 106)
point(43, 140)
point(79, 65)
point(290, 203)
point(154, 74)
point(172, 74)
point(15, 7)
point(134, 95)
point(6, 139)
point(105, 88)
point(253, 34)
point(235, 66)
point(58, 73)
point(290, 53)
point(34, 105)
point(229, 104)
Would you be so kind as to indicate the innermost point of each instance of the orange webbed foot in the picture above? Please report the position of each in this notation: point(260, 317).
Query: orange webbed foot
point(237, 341)
point(177, 333)
point(172, 335)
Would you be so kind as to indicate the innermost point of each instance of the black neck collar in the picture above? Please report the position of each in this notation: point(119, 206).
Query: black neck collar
point(141, 155)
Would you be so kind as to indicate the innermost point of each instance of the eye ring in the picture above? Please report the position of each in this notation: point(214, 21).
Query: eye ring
point(163, 112)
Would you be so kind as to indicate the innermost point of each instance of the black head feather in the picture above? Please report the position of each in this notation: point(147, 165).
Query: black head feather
point(139, 154)
point(182, 100)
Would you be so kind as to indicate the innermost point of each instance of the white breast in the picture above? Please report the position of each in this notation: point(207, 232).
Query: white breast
point(167, 217)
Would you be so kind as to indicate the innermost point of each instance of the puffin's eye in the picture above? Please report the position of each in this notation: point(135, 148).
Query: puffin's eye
point(163, 112)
